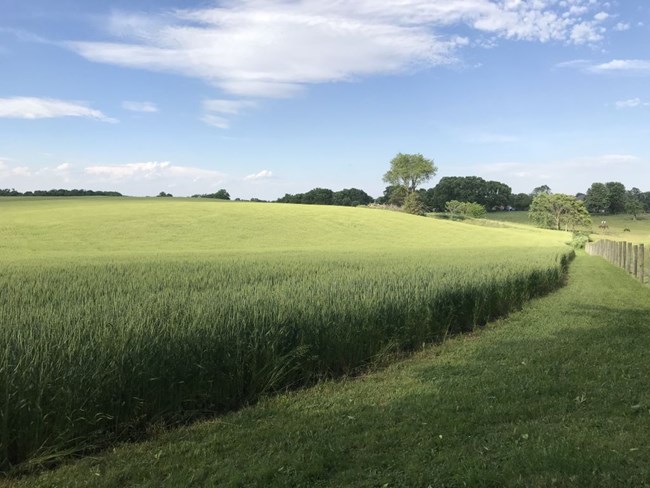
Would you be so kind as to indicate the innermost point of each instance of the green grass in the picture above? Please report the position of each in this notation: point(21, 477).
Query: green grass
point(554, 395)
point(120, 314)
point(639, 230)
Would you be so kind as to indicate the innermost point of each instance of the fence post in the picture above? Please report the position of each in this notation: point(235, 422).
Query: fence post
point(635, 265)
point(629, 257)
point(642, 263)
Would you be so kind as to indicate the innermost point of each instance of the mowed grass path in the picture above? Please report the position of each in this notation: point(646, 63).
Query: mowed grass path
point(555, 395)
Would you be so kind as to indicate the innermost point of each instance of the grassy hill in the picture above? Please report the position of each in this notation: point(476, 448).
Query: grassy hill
point(118, 314)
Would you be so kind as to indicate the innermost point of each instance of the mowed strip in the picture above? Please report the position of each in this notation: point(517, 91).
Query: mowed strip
point(555, 395)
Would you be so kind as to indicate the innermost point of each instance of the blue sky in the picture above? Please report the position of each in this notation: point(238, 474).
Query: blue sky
point(268, 97)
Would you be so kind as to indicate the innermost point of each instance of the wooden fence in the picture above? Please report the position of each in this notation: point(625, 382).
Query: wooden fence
point(630, 257)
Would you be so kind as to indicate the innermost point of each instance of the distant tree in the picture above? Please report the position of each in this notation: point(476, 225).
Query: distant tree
point(497, 195)
point(597, 198)
point(410, 171)
point(616, 196)
point(633, 205)
point(521, 201)
point(219, 195)
point(351, 197)
point(557, 211)
point(393, 195)
point(318, 196)
point(468, 209)
point(490, 194)
point(544, 189)
point(162, 194)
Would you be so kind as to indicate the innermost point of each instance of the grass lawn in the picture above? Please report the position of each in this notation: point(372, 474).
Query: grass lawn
point(555, 395)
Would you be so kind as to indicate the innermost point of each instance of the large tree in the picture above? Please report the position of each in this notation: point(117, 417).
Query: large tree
point(597, 199)
point(409, 171)
point(475, 189)
point(616, 196)
point(558, 211)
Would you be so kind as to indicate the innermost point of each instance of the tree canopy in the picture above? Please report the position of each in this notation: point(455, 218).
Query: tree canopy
point(490, 194)
point(558, 211)
point(410, 171)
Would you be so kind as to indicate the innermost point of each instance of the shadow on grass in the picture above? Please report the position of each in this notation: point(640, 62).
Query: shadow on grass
point(568, 405)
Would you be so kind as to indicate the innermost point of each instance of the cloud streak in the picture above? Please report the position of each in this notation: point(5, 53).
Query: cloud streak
point(262, 175)
point(48, 108)
point(153, 170)
point(145, 107)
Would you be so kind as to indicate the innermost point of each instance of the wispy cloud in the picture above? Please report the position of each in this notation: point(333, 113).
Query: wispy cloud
point(261, 48)
point(223, 107)
point(262, 175)
point(46, 108)
point(153, 170)
point(631, 103)
point(639, 66)
point(146, 107)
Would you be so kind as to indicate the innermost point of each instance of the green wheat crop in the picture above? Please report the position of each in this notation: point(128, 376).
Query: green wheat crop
point(120, 314)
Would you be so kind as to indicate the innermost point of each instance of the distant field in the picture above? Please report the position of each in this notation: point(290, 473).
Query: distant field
point(120, 313)
point(639, 230)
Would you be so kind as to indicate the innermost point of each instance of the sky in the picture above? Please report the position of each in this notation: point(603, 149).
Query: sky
point(264, 98)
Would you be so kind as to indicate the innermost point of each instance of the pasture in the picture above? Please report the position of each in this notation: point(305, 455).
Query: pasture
point(638, 230)
point(119, 315)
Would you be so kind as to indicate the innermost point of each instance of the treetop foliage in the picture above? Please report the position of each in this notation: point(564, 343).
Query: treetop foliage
point(58, 193)
point(557, 211)
point(348, 197)
point(410, 171)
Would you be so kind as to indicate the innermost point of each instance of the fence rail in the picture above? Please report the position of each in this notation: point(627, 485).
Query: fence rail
point(630, 257)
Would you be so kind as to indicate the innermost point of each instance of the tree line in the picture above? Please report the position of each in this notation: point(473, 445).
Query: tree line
point(58, 193)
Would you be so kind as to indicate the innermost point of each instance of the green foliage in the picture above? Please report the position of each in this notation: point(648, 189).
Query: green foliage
point(490, 194)
point(6, 192)
point(349, 197)
point(541, 190)
point(616, 196)
point(580, 239)
point(466, 209)
point(410, 171)
point(596, 199)
point(163, 194)
point(219, 195)
point(521, 201)
point(146, 320)
point(633, 206)
point(558, 211)
point(414, 204)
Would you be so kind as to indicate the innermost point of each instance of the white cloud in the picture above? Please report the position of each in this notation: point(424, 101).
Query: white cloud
point(641, 66)
point(601, 16)
point(153, 170)
point(622, 26)
point(45, 108)
point(632, 103)
point(262, 175)
point(263, 48)
point(228, 107)
point(147, 107)
point(63, 167)
point(216, 121)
